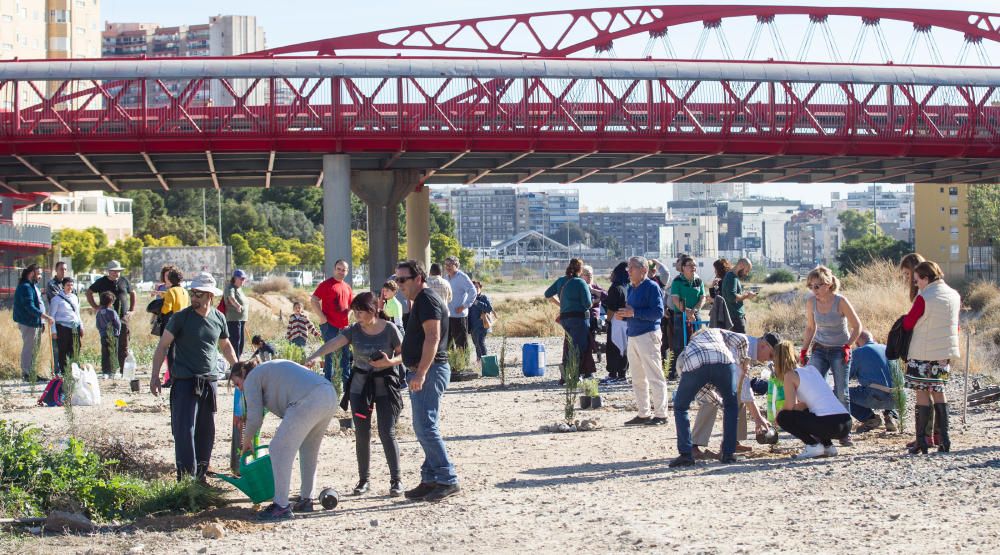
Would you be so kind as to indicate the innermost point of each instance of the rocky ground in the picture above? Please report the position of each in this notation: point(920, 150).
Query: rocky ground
point(607, 490)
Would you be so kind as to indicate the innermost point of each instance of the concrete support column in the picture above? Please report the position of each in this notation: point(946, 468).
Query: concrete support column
point(7, 210)
point(336, 211)
point(382, 191)
point(418, 226)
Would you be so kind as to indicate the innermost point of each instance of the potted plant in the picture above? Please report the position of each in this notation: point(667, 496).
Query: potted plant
point(591, 391)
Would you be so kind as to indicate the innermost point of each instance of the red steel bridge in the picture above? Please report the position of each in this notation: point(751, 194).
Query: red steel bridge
point(653, 94)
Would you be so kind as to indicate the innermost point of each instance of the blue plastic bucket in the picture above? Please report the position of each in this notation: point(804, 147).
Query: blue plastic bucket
point(533, 360)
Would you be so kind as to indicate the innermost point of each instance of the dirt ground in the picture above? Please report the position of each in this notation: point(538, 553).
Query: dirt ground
point(602, 491)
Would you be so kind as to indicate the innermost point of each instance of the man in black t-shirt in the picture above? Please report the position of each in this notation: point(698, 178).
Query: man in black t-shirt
point(124, 304)
point(425, 354)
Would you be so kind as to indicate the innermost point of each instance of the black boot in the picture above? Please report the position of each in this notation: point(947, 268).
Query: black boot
point(941, 423)
point(923, 415)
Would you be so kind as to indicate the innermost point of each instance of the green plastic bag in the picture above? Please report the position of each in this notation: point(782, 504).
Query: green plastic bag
point(775, 399)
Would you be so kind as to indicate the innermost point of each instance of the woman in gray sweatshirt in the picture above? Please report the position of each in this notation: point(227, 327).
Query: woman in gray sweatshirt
point(306, 403)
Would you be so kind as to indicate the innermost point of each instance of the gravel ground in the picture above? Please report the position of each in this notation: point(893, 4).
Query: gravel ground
point(606, 491)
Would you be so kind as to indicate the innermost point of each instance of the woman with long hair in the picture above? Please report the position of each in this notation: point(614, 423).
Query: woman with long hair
point(373, 387)
point(832, 327)
point(933, 319)
point(29, 313)
point(812, 412)
point(572, 294)
point(617, 361)
point(906, 266)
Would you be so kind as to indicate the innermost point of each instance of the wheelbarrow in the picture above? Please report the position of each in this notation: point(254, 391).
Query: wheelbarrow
point(256, 479)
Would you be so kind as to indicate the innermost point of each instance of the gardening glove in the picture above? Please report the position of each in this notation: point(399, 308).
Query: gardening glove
point(803, 356)
point(847, 353)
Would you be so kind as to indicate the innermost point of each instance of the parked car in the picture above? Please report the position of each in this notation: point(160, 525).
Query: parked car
point(84, 281)
point(299, 278)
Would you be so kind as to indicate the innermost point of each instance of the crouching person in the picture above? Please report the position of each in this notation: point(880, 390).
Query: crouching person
point(812, 412)
point(306, 403)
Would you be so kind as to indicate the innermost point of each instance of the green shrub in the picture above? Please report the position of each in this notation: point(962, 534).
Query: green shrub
point(781, 276)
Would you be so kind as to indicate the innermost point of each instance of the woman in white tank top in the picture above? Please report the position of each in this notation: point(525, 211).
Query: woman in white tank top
point(812, 412)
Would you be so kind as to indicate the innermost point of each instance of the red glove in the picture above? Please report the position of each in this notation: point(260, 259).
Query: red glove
point(847, 353)
point(803, 356)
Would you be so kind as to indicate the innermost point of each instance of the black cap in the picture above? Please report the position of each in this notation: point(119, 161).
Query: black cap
point(771, 339)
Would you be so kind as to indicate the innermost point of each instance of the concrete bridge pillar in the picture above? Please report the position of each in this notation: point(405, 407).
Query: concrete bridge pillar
point(418, 226)
point(382, 191)
point(336, 211)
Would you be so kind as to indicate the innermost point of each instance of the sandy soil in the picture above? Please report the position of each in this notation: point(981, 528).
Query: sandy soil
point(604, 491)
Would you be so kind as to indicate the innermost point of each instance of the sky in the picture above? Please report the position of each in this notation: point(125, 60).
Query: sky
point(294, 21)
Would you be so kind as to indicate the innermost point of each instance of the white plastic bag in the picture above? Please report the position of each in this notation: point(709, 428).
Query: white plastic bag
point(128, 369)
point(86, 389)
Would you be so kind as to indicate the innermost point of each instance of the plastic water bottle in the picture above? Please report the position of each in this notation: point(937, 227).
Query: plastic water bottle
point(128, 369)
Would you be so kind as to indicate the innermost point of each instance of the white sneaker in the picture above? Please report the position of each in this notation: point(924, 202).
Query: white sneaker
point(830, 451)
point(811, 451)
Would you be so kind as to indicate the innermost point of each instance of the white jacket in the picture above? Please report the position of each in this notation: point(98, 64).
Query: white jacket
point(935, 337)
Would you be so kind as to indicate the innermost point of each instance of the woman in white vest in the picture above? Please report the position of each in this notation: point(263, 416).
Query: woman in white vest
point(933, 319)
point(812, 412)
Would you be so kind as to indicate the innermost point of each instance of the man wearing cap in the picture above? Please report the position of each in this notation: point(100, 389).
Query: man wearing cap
point(718, 357)
point(124, 303)
point(332, 302)
point(236, 310)
point(195, 333)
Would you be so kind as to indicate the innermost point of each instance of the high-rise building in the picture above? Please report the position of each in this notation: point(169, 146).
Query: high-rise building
point(47, 29)
point(709, 192)
point(485, 215)
point(563, 207)
point(223, 35)
point(893, 210)
point(637, 233)
point(940, 216)
point(697, 236)
point(804, 240)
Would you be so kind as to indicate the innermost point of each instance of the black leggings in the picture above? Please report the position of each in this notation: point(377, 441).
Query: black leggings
point(812, 429)
point(387, 417)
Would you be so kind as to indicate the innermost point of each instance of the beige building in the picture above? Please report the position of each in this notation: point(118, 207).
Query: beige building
point(81, 210)
point(47, 29)
point(941, 233)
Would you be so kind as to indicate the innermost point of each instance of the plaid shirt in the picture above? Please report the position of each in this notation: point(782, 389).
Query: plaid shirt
point(714, 346)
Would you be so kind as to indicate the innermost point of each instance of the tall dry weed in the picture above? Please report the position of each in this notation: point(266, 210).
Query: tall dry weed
point(528, 318)
point(276, 284)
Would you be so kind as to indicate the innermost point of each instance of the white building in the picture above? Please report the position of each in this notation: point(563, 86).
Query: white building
point(81, 210)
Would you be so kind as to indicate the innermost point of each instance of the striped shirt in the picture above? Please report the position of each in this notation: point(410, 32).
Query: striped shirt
point(299, 326)
point(714, 346)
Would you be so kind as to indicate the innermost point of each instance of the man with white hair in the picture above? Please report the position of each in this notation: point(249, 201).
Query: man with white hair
point(643, 312)
point(874, 390)
point(463, 294)
point(194, 332)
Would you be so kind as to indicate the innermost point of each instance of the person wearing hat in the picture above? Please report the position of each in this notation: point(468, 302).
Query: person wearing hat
point(236, 310)
point(720, 358)
point(118, 285)
point(194, 333)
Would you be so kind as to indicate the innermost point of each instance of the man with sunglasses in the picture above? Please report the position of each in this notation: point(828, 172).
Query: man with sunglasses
point(195, 332)
point(425, 355)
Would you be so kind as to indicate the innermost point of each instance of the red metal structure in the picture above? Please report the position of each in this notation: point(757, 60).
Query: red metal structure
point(561, 116)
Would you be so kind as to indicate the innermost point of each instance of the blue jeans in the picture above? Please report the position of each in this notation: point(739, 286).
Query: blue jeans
point(299, 342)
point(426, 406)
point(832, 358)
point(330, 332)
point(865, 401)
point(578, 330)
point(723, 377)
point(479, 341)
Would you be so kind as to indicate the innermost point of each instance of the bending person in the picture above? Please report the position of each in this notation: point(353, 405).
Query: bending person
point(306, 403)
point(812, 412)
point(374, 386)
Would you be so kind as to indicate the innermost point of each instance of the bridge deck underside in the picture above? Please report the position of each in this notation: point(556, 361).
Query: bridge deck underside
point(111, 172)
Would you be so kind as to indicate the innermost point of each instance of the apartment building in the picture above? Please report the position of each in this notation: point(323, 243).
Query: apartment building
point(484, 215)
point(637, 233)
point(80, 210)
point(940, 218)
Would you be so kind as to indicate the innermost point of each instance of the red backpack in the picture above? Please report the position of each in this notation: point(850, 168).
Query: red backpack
point(53, 394)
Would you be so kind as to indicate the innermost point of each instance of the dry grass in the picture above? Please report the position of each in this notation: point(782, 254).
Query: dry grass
point(983, 296)
point(276, 284)
point(528, 318)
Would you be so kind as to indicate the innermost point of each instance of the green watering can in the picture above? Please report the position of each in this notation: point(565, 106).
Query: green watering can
point(256, 479)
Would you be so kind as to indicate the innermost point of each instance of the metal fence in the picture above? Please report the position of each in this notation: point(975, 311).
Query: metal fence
point(34, 235)
point(983, 264)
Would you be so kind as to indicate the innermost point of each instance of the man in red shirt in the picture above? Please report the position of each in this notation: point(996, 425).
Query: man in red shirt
point(332, 301)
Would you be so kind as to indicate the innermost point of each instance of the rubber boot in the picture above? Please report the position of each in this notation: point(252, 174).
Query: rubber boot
point(923, 414)
point(941, 423)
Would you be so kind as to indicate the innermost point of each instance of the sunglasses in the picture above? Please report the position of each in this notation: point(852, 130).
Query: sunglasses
point(403, 279)
point(199, 294)
point(816, 287)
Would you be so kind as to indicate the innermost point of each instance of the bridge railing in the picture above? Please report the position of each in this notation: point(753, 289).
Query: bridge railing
point(32, 236)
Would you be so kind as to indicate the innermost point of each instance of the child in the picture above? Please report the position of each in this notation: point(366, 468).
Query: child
point(108, 325)
point(263, 352)
point(299, 326)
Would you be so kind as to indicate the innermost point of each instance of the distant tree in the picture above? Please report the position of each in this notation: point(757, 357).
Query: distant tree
point(242, 253)
point(442, 222)
point(264, 259)
point(859, 252)
point(855, 224)
point(780, 276)
point(359, 247)
point(984, 214)
point(310, 254)
point(104, 256)
point(287, 222)
point(286, 259)
point(132, 247)
point(79, 246)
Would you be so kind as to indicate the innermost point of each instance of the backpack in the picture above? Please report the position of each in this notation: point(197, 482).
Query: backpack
point(898, 344)
point(53, 394)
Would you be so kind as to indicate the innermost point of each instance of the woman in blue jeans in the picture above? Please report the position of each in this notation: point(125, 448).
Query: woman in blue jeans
point(832, 326)
point(572, 294)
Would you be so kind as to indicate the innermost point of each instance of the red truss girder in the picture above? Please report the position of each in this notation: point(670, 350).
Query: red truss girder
point(604, 25)
point(521, 114)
